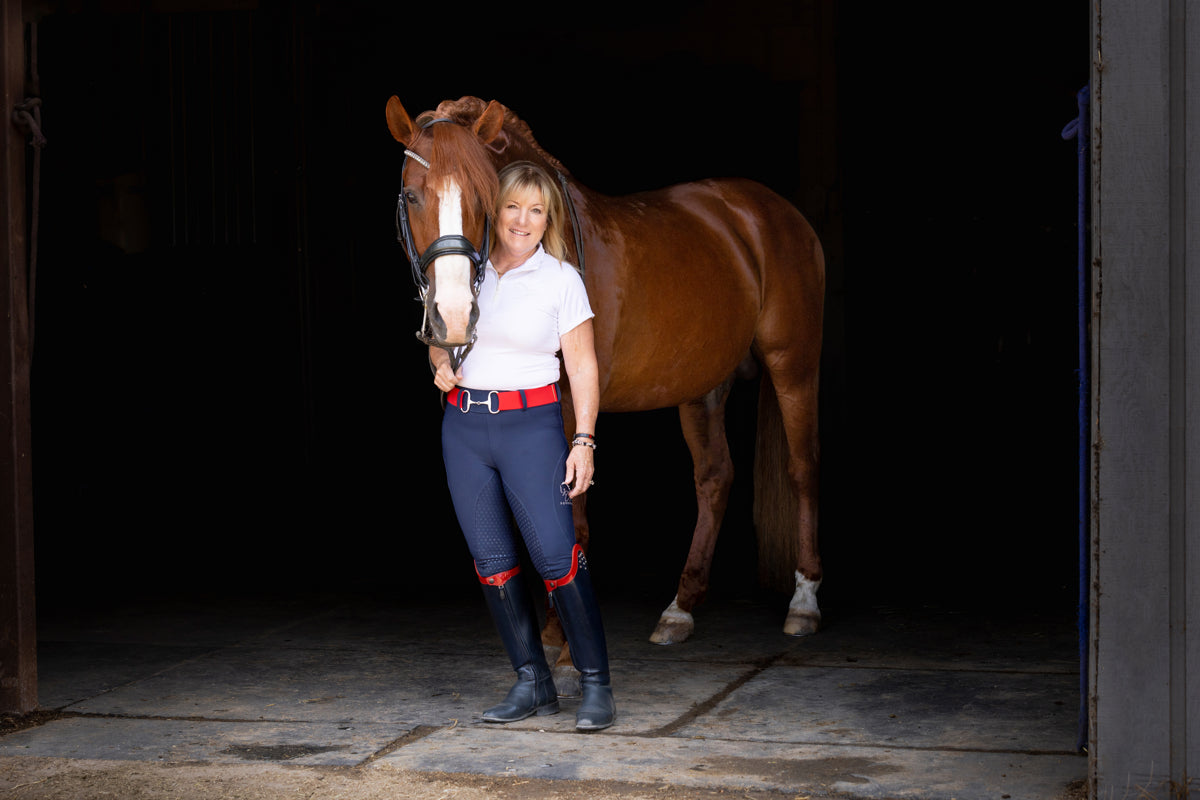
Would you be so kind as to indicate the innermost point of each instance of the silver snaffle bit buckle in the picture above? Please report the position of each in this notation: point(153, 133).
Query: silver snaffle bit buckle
point(466, 402)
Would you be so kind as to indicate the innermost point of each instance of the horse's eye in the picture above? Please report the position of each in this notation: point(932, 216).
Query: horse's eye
point(410, 197)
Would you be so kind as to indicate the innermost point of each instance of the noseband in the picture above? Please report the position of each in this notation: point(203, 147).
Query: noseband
point(449, 245)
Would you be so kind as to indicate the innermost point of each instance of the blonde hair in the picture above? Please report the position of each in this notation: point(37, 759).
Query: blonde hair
point(523, 176)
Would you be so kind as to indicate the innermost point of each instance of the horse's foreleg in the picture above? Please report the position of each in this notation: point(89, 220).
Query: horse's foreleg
point(703, 423)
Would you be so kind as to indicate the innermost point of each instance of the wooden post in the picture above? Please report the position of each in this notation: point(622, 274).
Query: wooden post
point(18, 635)
point(1145, 566)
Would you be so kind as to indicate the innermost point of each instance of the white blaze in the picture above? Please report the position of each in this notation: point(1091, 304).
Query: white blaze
point(452, 273)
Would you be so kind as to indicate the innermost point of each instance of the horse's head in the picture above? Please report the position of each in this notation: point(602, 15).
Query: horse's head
point(447, 196)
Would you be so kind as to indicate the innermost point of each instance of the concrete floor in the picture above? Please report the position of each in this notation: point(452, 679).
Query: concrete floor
point(885, 702)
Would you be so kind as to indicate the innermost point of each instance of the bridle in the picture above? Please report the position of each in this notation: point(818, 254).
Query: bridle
point(451, 244)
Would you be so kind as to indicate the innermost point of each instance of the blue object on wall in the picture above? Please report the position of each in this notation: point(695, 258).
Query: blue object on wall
point(1078, 129)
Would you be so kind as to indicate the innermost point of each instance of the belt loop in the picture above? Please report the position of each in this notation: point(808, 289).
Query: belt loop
point(524, 400)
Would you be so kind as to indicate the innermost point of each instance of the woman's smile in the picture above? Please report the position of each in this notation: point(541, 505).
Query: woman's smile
point(522, 223)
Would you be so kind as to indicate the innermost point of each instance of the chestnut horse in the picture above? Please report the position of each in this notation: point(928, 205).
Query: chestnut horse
point(688, 284)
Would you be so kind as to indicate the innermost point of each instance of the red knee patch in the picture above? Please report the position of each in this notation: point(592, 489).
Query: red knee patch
point(500, 578)
point(576, 555)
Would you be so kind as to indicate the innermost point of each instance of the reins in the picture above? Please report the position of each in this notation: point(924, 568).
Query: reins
point(562, 179)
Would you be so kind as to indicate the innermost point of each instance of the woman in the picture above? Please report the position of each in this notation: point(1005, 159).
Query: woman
point(505, 451)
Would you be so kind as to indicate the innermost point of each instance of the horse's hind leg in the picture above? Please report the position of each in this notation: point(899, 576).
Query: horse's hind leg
point(703, 423)
point(796, 390)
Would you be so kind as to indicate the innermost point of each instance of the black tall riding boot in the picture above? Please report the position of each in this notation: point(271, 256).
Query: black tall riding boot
point(579, 612)
point(512, 610)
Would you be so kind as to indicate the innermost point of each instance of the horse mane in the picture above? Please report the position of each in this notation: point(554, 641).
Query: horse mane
point(458, 154)
point(467, 109)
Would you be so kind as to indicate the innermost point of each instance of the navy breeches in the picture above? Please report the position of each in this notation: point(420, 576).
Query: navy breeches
point(511, 461)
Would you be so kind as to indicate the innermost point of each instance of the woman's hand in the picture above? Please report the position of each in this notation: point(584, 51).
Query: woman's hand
point(581, 466)
point(443, 377)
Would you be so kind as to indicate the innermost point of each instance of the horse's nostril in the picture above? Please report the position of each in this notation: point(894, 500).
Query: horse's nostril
point(439, 326)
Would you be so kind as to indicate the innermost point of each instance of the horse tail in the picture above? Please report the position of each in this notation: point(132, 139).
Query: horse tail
point(776, 506)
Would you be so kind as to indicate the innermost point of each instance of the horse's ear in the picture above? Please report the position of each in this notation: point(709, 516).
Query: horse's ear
point(488, 126)
point(399, 123)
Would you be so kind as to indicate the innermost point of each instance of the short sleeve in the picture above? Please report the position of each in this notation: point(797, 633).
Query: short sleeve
point(574, 308)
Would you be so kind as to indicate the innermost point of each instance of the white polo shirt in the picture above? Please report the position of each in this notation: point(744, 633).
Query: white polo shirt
point(522, 315)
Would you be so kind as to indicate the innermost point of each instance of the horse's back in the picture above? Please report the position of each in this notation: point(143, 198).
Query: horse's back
point(681, 278)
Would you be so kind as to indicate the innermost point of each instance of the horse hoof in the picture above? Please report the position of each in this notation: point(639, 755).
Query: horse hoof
point(671, 633)
point(802, 623)
point(804, 614)
point(566, 679)
point(674, 626)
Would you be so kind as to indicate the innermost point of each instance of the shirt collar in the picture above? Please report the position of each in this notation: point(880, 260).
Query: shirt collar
point(531, 263)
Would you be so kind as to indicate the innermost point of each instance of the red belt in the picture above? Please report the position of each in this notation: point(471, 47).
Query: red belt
point(495, 402)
